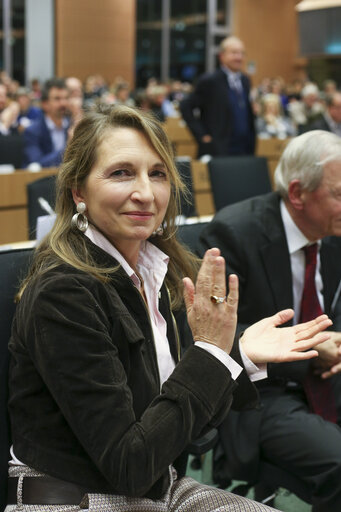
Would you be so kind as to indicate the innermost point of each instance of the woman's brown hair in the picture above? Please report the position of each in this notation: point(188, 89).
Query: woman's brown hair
point(65, 244)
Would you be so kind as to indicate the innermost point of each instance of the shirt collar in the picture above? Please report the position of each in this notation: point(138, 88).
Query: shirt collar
point(232, 74)
point(52, 126)
point(150, 257)
point(295, 238)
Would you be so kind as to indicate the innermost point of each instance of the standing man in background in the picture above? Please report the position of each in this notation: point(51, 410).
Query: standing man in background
point(219, 112)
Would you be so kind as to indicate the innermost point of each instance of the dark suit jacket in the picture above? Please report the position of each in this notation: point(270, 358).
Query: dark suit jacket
point(216, 117)
point(251, 237)
point(38, 145)
point(319, 123)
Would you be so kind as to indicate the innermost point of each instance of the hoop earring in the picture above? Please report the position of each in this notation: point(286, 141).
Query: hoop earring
point(158, 231)
point(79, 220)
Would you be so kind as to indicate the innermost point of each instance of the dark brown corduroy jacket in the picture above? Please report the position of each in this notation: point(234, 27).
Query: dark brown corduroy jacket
point(85, 401)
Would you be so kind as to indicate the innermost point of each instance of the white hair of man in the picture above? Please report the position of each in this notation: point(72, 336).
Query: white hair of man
point(309, 89)
point(225, 43)
point(304, 159)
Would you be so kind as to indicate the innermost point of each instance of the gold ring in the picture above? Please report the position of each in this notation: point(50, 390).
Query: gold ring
point(217, 300)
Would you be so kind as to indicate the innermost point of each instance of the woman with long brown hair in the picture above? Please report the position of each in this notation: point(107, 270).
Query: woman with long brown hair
point(102, 402)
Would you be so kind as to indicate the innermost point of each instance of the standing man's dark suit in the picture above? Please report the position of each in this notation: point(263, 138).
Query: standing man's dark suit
point(251, 237)
point(225, 124)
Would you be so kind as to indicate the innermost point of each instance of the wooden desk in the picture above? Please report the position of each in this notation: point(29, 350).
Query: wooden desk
point(272, 149)
point(180, 136)
point(203, 198)
point(13, 203)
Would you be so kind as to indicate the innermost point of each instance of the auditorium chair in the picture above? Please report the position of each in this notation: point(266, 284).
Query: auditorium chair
point(45, 188)
point(183, 165)
point(272, 477)
point(234, 178)
point(13, 266)
point(189, 234)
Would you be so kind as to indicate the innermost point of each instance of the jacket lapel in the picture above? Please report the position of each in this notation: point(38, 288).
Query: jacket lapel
point(134, 302)
point(331, 271)
point(275, 255)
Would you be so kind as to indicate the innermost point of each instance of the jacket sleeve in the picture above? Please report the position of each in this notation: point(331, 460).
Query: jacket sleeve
point(197, 100)
point(71, 344)
point(33, 151)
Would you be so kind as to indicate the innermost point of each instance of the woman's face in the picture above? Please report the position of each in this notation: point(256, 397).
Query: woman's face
point(271, 108)
point(127, 191)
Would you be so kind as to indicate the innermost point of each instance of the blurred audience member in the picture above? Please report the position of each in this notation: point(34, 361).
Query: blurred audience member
point(4, 77)
point(142, 100)
point(12, 88)
point(122, 94)
point(330, 120)
point(46, 138)
point(74, 87)
point(264, 86)
point(9, 111)
point(35, 91)
point(308, 108)
point(328, 88)
point(294, 90)
point(101, 86)
point(177, 92)
point(76, 99)
point(158, 102)
point(90, 92)
point(271, 122)
point(28, 113)
point(277, 86)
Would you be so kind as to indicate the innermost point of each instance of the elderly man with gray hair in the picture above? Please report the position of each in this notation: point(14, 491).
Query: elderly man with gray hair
point(285, 248)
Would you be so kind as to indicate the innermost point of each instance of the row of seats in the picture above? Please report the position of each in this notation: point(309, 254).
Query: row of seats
point(233, 179)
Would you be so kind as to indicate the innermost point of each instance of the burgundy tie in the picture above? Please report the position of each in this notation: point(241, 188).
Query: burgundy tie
point(319, 392)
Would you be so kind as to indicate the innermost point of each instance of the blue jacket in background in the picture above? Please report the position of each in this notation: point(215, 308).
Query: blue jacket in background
point(38, 146)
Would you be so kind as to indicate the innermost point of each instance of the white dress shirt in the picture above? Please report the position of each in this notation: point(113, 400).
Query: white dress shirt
point(152, 266)
point(234, 79)
point(296, 242)
point(57, 133)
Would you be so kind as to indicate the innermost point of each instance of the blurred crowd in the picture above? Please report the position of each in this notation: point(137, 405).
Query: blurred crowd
point(20, 106)
point(284, 110)
point(281, 110)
